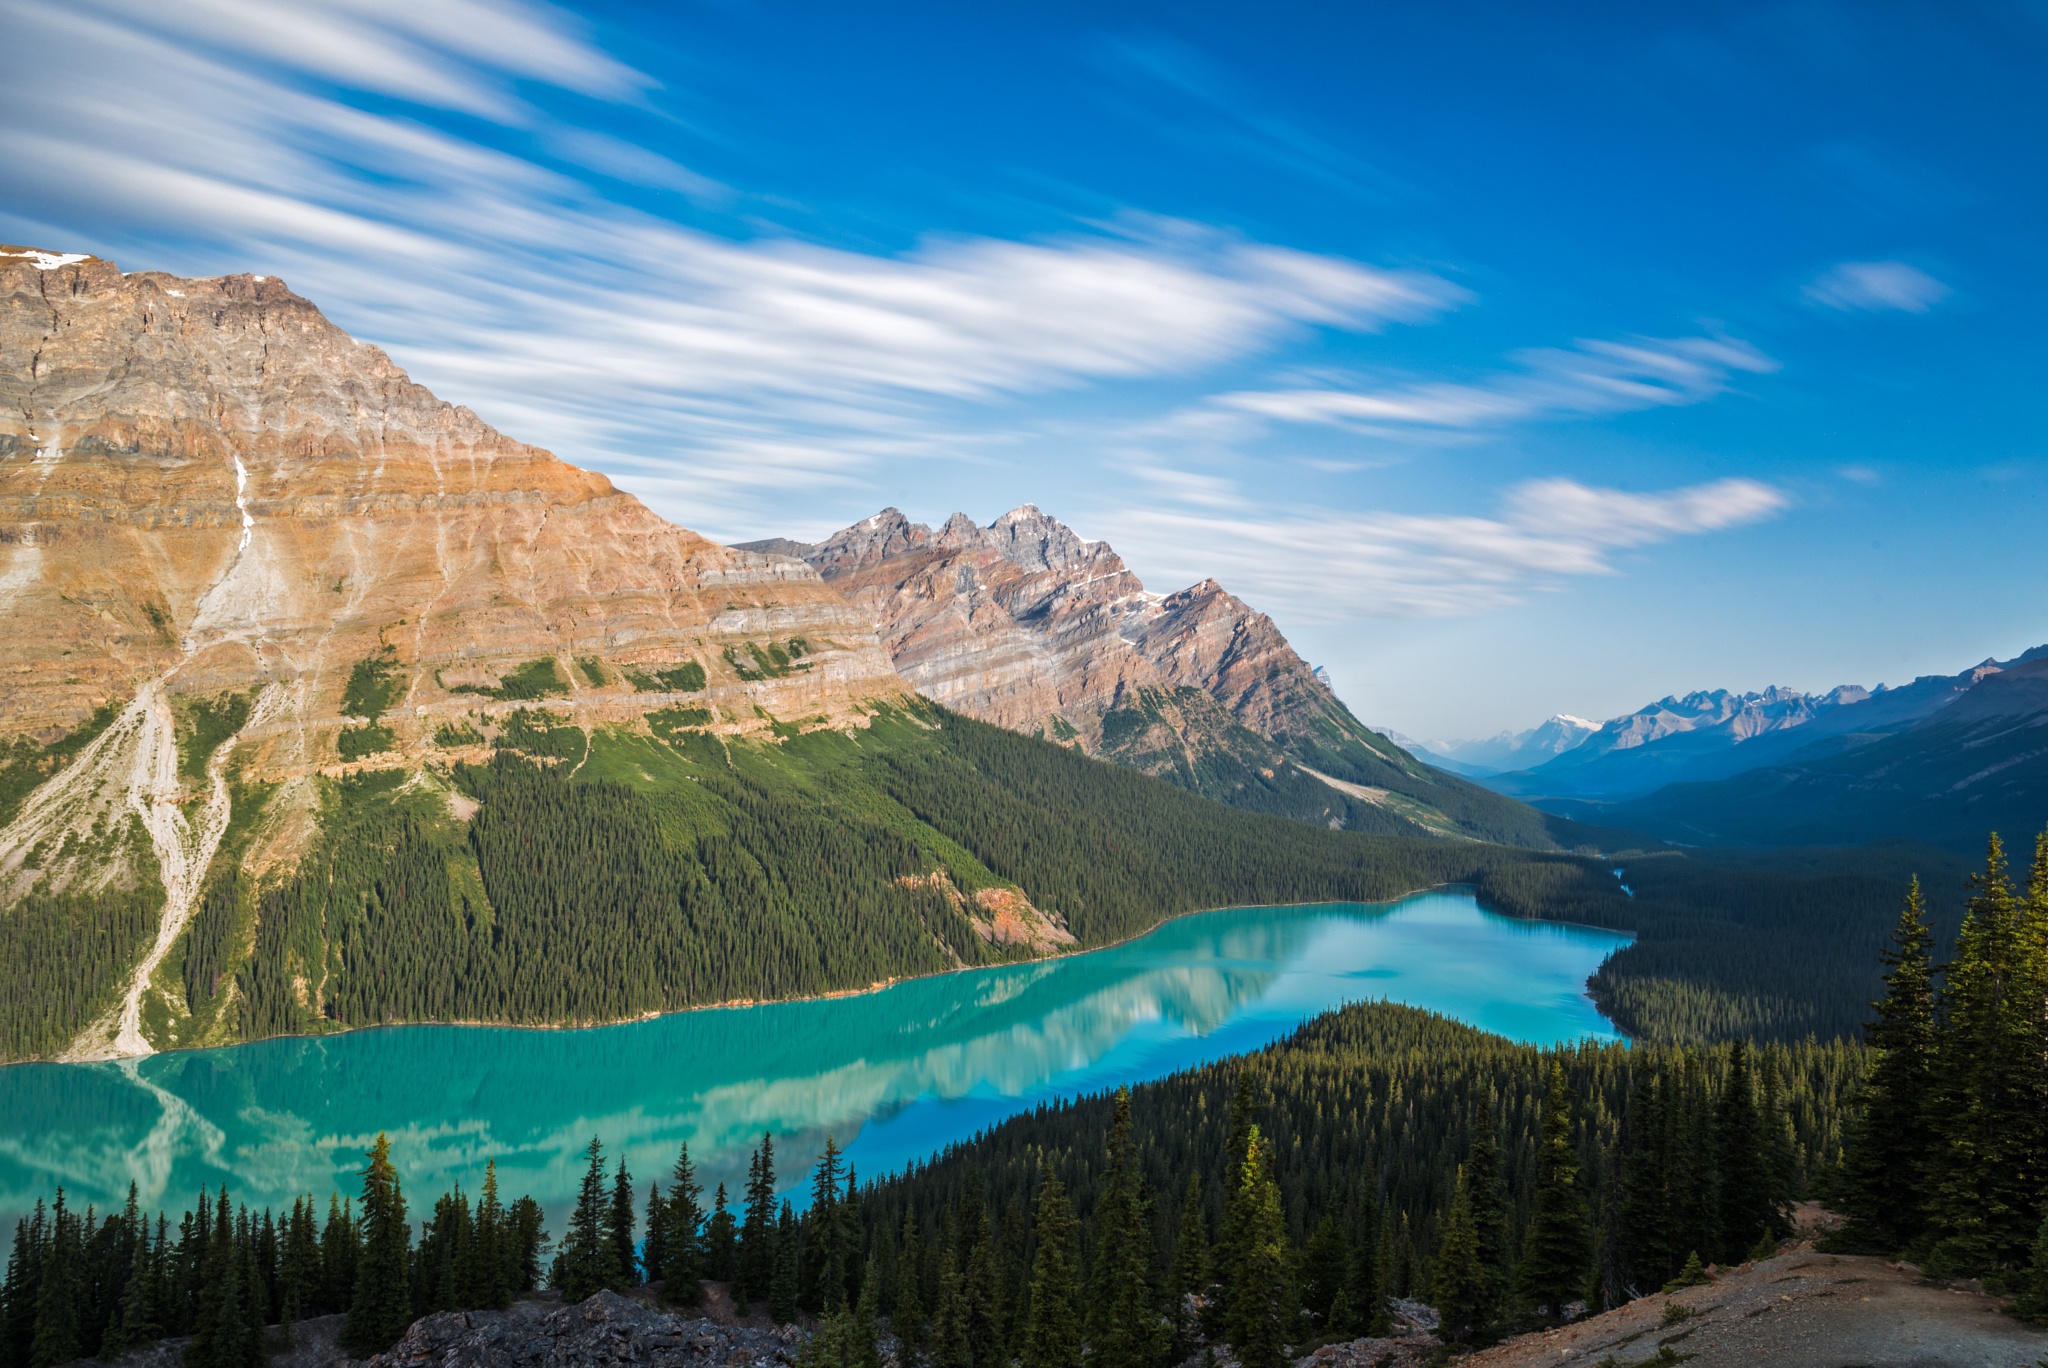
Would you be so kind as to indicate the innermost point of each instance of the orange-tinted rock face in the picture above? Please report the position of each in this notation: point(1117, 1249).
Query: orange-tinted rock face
point(206, 482)
point(1023, 624)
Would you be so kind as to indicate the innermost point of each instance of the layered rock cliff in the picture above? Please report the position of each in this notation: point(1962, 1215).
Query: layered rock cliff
point(1025, 624)
point(238, 547)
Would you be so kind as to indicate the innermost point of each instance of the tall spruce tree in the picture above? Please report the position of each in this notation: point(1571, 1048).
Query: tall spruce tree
point(1486, 1187)
point(721, 1241)
point(784, 1274)
point(1460, 1288)
point(1261, 1303)
point(623, 1265)
point(682, 1241)
point(340, 1249)
point(906, 1313)
point(1986, 1170)
point(57, 1294)
point(1123, 1324)
point(757, 1228)
point(1751, 1208)
point(1052, 1328)
point(382, 1306)
point(1187, 1276)
point(825, 1251)
point(1557, 1252)
point(586, 1262)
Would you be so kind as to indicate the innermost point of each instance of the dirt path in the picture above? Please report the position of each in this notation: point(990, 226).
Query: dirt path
point(1800, 1308)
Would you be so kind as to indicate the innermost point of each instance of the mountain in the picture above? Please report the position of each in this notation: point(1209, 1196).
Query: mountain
point(1961, 756)
point(1712, 734)
point(328, 705)
point(1024, 624)
point(1512, 750)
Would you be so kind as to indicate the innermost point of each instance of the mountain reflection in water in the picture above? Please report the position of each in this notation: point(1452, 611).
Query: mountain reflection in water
point(894, 1075)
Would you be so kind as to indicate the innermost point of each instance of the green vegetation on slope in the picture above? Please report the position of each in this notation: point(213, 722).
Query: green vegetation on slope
point(1366, 1115)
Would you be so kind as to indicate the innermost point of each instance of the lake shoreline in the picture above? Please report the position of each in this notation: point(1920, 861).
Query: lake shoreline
point(839, 993)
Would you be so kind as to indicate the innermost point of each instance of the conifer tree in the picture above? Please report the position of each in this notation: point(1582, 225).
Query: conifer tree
point(62, 1278)
point(1123, 1325)
point(950, 1348)
point(721, 1241)
point(1052, 1328)
point(654, 1247)
point(1366, 1290)
point(1487, 1189)
point(1188, 1275)
point(906, 1314)
point(18, 1295)
point(1260, 1301)
point(1229, 1236)
point(757, 1230)
point(1325, 1263)
point(825, 1253)
point(977, 1294)
point(783, 1275)
point(1985, 1178)
point(623, 1265)
point(487, 1278)
point(1557, 1252)
point(682, 1240)
point(381, 1307)
point(1460, 1289)
point(526, 1243)
point(340, 1246)
point(586, 1263)
point(1748, 1202)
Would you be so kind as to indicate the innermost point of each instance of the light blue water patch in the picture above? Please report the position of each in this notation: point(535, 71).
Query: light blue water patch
point(895, 1075)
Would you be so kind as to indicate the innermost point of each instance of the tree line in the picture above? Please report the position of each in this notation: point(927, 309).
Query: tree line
point(1946, 1161)
point(79, 1285)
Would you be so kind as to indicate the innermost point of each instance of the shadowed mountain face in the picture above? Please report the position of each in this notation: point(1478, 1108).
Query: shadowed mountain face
point(1894, 766)
point(1024, 624)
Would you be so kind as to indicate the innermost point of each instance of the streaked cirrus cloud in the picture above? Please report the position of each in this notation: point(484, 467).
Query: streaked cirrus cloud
point(1876, 286)
point(1593, 377)
point(1335, 566)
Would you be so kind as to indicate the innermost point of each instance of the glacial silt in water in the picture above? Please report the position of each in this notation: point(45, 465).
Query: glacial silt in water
point(894, 1074)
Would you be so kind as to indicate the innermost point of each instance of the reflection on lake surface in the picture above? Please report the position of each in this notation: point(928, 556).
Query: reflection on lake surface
point(894, 1075)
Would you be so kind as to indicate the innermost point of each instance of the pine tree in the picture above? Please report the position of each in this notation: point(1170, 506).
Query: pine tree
point(1487, 1188)
point(950, 1348)
point(1123, 1325)
point(757, 1230)
point(906, 1315)
point(62, 1277)
point(340, 1247)
point(1460, 1289)
point(1748, 1202)
point(1260, 1301)
point(1985, 1175)
point(721, 1242)
point(825, 1253)
point(682, 1240)
point(1557, 1252)
point(1052, 1328)
point(1325, 1264)
point(1187, 1277)
point(654, 1248)
point(487, 1278)
point(1366, 1289)
point(622, 1265)
point(19, 1293)
point(586, 1264)
point(1229, 1236)
point(527, 1243)
point(784, 1274)
point(977, 1297)
point(381, 1307)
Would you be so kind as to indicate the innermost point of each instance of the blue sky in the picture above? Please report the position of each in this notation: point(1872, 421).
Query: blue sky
point(1516, 358)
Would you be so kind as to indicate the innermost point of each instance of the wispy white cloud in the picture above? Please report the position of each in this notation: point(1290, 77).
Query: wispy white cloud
point(1874, 286)
point(506, 280)
point(1593, 377)
point(1333, 567)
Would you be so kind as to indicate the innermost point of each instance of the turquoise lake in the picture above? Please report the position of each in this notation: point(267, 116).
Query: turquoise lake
point(894, 1075)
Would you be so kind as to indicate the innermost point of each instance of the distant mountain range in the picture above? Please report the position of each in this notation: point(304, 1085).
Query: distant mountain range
point(1944, 759)
point(1025, 624)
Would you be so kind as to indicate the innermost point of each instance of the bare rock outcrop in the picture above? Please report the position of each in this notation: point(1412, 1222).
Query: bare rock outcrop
point(607, 1331)
point(205, 481)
